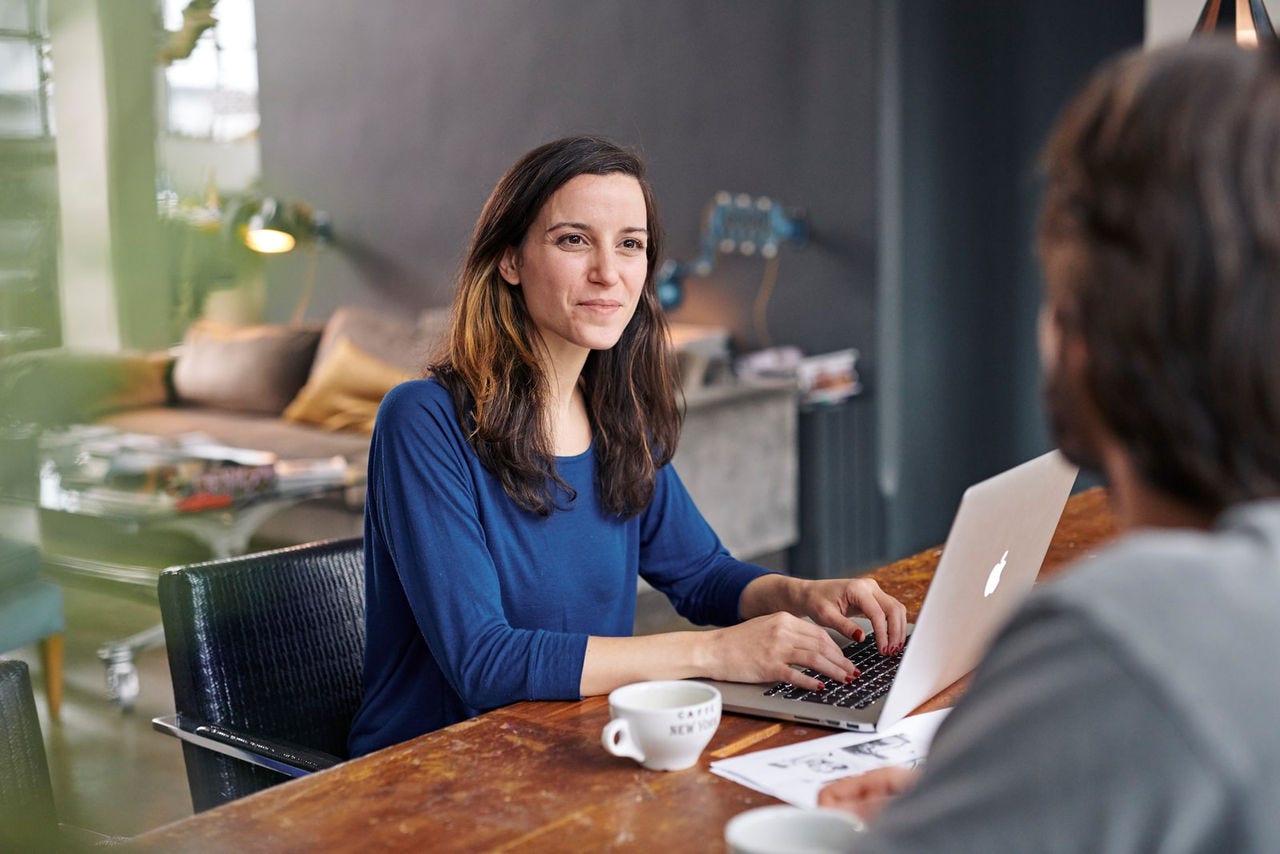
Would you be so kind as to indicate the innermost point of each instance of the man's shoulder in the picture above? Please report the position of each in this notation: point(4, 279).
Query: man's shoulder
point(1189, 618)
point(1232, 567)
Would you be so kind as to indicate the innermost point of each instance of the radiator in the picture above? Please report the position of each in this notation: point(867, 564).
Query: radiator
point(841, 510)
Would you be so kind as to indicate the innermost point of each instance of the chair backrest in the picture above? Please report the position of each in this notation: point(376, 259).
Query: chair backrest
point(27, 817)
point(270, 644)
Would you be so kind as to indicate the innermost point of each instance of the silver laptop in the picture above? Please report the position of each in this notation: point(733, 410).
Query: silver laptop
point(991, 558)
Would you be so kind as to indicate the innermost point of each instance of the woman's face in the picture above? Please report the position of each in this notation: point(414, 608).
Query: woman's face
point(582, 264)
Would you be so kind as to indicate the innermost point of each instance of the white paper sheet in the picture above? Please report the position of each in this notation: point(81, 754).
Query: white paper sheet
point(795, 773)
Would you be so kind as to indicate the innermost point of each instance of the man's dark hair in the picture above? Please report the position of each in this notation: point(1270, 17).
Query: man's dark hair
point(1162, 216)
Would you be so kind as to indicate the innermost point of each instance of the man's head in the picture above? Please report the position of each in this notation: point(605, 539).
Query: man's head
point(1160, 242)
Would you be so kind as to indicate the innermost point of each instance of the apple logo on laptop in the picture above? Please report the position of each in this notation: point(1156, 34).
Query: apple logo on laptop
point(993, 580)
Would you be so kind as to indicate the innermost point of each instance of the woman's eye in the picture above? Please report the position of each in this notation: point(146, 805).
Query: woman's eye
point(632, 244)
point(571, 240)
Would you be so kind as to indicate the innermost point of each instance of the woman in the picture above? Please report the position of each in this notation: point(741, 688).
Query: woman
point(516, 492)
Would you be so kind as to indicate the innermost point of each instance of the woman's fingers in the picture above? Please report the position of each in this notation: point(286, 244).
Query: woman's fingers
point(888, 616)
point(864, 595)
point(896, 613)
point(811, 647)
point(770, 648)
point(830, 662)
point(874, 611)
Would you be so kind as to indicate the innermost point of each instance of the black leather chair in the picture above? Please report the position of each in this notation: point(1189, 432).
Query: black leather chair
point(28, 821)
point(265, 653)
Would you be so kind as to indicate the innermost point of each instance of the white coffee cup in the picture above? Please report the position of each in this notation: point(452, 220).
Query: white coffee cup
point(662, 725)
point(791, 830)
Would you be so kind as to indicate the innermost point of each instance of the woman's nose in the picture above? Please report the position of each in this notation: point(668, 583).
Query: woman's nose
point(604, 268)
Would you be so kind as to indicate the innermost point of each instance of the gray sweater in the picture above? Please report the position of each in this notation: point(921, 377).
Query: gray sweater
point(1132, 705)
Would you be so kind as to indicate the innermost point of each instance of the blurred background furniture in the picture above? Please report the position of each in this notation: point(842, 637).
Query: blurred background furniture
point(31, 612)
point(265, 653)
point(28, 819)
point(738, 458)
point(28, 812)
point(312, 392)
point(841, 510)
point(303, 391)
point(296, 391)
point(116, 508)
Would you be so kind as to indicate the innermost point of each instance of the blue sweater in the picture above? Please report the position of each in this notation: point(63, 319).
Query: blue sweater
point(473, 603)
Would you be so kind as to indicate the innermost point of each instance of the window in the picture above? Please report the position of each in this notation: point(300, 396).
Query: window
point(28, 181)
point(25, 79)
point(211, 80)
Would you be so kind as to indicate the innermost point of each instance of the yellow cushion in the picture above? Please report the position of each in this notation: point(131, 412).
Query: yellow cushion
point(344, 391)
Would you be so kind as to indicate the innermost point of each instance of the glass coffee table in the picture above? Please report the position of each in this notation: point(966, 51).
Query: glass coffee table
point(116, 509)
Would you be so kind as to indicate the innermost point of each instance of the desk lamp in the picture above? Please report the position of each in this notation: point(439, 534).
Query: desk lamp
point(273, 227)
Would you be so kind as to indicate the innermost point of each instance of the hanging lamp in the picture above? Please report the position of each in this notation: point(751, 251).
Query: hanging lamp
point(1246, 20)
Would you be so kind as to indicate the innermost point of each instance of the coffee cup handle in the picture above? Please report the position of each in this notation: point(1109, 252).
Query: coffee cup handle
point(616, 739)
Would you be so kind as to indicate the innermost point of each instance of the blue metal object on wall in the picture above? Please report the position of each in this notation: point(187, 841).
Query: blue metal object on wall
point(741, 224)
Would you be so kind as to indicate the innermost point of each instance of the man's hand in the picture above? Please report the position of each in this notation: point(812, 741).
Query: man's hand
point(867, 794)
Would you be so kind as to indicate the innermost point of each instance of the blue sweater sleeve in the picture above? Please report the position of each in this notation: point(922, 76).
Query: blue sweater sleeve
point(683, 558)
point(426, 513)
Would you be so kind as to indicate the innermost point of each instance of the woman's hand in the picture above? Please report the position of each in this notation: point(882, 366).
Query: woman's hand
point(867, 794)
point(773, 637)
point(764, 648)
point(830, 603)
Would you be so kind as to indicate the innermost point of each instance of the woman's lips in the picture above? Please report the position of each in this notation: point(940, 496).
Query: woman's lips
point(600, 306)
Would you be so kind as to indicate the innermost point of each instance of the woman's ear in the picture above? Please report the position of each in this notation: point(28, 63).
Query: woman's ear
point(509, 265)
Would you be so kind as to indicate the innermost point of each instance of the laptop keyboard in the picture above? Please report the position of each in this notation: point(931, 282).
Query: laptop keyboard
point(877, 675)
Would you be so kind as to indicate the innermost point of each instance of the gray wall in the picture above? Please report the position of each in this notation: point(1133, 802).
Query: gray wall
point(908, 130)
point(398, 118)
point(972, 87)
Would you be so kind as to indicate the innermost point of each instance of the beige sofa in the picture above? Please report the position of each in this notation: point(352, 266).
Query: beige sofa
point(299, 392)
point(312, 392)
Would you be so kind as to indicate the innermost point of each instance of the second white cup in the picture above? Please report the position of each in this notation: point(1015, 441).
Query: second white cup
point(662, 725)
point(786, 829)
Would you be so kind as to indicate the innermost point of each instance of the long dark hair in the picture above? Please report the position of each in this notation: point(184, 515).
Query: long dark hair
point(493, 373)
point(1162, 217)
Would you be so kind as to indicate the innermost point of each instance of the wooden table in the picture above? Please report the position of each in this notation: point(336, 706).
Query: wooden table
point(533, 776)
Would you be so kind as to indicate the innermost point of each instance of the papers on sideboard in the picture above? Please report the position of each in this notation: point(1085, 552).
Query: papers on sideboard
point(796, 772)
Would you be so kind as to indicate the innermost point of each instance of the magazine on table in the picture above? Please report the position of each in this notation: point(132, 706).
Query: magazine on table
point(106, 472)
point(796, 772)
